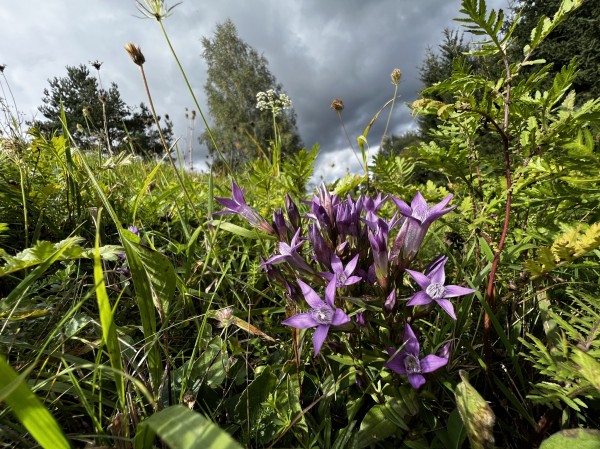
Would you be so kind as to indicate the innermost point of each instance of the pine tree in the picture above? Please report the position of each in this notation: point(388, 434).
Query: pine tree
point(236, 73)
point(83, 100)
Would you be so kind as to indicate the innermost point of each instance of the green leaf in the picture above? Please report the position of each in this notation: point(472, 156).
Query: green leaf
point(476, 414)
point(249, 405)
point(109, 328)
point(573, 438)
point(238, 230)
point(29, 410)
point(154, 280)
point(588, 366)
point(181, 428)
point(381, 422)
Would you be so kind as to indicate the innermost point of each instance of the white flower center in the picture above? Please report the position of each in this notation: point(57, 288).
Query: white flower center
point(412, 364)
point(435, 291)
point(322, 315)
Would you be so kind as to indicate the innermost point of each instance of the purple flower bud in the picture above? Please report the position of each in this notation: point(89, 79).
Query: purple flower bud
point(379, 243)
point(237, 205)
point(419, 217)
point(320, 247)
point(280, 225)
point(292, 212)
point(390, 302)
point(361, 320)
point(134, 229)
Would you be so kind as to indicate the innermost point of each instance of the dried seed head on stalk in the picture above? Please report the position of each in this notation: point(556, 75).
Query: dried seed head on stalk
point(135, 53)
point(396, 75)
point(337, 105)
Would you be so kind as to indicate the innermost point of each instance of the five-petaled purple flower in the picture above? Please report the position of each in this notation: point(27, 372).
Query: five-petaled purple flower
point(343, 275)
point(434, 290)
point(289, 254)
point(407, 361)
point(237, 205)
point(321, 315)
point(419, 217)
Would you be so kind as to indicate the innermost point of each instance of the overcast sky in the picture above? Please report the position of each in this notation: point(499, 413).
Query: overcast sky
point(317, 49)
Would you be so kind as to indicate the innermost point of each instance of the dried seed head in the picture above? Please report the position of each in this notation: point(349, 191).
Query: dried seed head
point(96, 64)
point(102, 98)
point(337, 105)
point(396, 75)
point(135, 53)
point(225, 317)
point(2, 67)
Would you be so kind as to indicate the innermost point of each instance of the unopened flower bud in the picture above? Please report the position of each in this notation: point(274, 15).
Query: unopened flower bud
point(135, 53)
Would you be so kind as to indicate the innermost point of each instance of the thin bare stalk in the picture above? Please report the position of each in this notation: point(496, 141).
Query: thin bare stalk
point(490, 295)
point(164, 142)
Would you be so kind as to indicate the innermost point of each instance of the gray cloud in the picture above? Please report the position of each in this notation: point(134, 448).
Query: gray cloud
point(319, 50)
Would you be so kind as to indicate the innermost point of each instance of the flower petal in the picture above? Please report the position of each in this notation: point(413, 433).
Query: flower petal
point(228, 203)
point(419, 299)
point(310, 296)
point(416, 380)
point(397, 363)
point(432, 362)
point(404, 208)
point(438, 274)
point(300, 321)
point(447, 306)
point(330, 292)
point(411, 344)
point(420, 279)
point(351, 266)
point(319, 337)
point(336, 264)
point(453, 291)
point(237, 193)
point(339, 318)
point(352, 280)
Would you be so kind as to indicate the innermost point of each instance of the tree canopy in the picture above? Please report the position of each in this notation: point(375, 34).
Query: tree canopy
point(236, 73)
point(86, 104)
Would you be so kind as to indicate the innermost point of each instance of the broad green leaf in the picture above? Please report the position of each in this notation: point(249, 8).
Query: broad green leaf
point(476, 414)
point(29, 410)
point(375, 427)
point(181, 428)
point(24, 285)
point(248, 407)
point(154, 280)
point(573, 438)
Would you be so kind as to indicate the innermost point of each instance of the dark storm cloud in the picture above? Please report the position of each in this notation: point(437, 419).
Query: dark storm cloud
point(318, 50)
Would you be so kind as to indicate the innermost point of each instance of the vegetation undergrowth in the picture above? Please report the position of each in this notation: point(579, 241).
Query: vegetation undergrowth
point(141, 302)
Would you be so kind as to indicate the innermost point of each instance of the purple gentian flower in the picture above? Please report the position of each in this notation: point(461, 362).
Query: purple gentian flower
point(134, 229)
point(434, 290)
point(289, 254)
point(343, 275)
point(406, 361)
point(419, 217)
point(321, 315)
point(237, 205)
point(322, 250)
point(379, 243)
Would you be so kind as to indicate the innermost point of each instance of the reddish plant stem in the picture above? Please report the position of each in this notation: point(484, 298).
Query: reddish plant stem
point(490, 295)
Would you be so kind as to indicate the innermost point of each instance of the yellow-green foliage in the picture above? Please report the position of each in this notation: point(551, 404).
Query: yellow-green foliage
point(572, 244)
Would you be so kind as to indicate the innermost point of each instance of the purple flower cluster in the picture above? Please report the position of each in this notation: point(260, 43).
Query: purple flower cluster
point(347, 248)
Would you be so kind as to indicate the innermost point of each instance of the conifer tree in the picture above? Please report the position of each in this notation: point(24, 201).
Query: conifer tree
point(83, 101)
